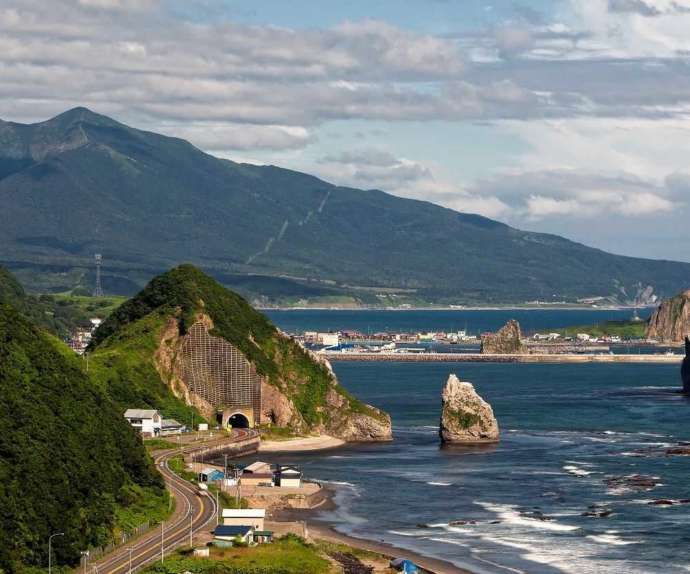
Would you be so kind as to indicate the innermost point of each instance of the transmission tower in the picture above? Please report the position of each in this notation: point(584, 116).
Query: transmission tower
point(98, 291)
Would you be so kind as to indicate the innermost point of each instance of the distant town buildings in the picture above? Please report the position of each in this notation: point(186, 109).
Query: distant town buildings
point(81, 337)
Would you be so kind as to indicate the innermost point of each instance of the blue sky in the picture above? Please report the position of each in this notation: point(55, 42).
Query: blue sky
point(568, 116)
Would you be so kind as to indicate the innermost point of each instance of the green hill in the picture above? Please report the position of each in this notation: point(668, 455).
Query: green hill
point(135, 355)
point(83, 183)
point(69, 462)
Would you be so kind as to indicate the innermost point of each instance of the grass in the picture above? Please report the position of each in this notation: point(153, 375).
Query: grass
point(159, 444)
point(176, 464)
point(143, 504)
point(287, 555)
point(99, 307)
point(622, 329)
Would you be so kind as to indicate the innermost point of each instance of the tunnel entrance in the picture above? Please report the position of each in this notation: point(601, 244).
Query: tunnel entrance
point(238, 421)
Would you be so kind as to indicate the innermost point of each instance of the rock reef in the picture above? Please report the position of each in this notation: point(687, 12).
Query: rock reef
point(670, 323)
point(507, 341)
point(466, 418)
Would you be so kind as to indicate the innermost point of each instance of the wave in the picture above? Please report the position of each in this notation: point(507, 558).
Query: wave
point(576, 470)
point(432, 483)
point(612, 540)
point(509, 515)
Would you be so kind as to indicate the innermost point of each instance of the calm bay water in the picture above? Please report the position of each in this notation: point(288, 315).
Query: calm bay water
point(412, 321)
point(566, 430)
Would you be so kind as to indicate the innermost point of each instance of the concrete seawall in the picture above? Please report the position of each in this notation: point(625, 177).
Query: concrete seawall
point(489, 358)
point(232, 447)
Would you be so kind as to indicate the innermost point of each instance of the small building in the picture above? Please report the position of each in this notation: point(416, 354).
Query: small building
point(244, 516)
point(210, 475)
point(171, 426)
point(288, 476)
point(263, 536)
point(202, 552)
point(227, 535)
point(257, 474)
point(146, 421)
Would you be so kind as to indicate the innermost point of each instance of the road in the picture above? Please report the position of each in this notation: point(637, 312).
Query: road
point(193, 513)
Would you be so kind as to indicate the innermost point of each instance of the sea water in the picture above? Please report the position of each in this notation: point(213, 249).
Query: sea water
point(518, 506)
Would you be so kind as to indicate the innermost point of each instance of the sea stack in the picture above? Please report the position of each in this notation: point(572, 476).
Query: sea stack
point(507, 341)
point(466, 418)
point(670, 323)
point(685, 369)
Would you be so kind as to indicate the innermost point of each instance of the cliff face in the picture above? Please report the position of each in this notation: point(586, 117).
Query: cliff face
point(671, 321)
point(685, 369)
point(507, 341)
point(465, 416)
point(298, 389)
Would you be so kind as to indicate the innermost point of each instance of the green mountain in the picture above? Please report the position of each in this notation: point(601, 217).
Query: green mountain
point(69, 462)
point(82, 183)
point(137, 356)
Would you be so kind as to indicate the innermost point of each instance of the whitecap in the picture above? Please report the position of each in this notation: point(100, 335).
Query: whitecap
point(611, 540)
point(432, 483)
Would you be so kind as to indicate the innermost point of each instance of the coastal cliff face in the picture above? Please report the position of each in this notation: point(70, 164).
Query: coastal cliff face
point(671, 321)
point(685, 369)
point(507, 341)
point(138, 354)
point(465, 416)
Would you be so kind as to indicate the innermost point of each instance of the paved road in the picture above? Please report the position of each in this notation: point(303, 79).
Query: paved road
point(193, 513)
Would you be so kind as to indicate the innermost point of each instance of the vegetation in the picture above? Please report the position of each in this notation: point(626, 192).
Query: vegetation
point(277, 433)
point(271, 233)
point(59, 314)
point(69, 461)
point(159, 444)
point(623, 329)
point(287, 555)
point(124, 345)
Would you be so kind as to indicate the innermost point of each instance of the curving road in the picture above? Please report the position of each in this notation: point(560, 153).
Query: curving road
point(193, 513)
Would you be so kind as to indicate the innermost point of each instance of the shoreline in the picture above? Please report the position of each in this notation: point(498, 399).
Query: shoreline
point(469, 308)
point(322, 529)
point(301, 444)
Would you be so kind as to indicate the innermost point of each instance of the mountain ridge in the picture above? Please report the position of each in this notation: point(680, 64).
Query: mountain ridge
point(82, 183)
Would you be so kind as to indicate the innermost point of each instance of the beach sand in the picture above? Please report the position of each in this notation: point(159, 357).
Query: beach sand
point(300, 444)
point(322, 530)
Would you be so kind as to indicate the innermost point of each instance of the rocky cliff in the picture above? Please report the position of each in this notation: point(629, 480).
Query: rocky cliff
point(671, 321)
point(685, 369)
point(172, 345)
point(507, 341)
point(465, 416)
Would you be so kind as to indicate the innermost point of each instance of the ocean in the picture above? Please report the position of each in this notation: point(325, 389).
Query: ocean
point(574, 439)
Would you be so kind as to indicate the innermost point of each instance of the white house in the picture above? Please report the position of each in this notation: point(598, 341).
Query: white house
point(229, 534)
point(147, 421)
point(288, 476)
point(253, 517)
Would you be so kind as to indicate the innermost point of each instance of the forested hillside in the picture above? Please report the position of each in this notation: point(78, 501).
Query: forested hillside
point(82, 183)
point(69, 462)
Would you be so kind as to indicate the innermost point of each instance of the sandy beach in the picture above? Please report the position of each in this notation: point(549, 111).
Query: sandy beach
point(300, 444)
point(322, 530)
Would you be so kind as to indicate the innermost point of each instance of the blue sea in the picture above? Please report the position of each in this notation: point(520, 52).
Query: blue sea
point(570, 435)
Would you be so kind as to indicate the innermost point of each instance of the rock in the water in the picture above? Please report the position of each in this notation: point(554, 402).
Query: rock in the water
point(465, 416)
point(507, 341)
point(685, 368)
point(671, 321)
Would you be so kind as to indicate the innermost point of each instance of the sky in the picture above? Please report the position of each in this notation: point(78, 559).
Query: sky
point(561, 116)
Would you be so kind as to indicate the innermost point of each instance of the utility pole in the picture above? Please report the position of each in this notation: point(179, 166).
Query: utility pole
point(225, 471)
point(85, 556)
point(50, 549)
point(130, 559)
point(217, 509)
point(162, 542)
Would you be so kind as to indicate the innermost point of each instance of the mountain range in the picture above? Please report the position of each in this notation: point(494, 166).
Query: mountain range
point(82, 183)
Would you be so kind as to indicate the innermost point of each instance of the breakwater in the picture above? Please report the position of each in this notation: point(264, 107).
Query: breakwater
point(494, 358)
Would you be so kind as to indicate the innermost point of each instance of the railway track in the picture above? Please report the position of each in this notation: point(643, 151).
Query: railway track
point(193, 513)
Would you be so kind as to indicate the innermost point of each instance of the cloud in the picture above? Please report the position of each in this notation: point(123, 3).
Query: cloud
point(636, 6)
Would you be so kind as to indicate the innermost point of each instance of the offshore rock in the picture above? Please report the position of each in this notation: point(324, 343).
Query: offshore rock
point(685, 368)
point(671, 321)
point(466, 418)
point(507, 341)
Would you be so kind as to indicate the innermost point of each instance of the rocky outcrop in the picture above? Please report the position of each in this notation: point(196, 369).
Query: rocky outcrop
point(466, 418)
point(670, 323)
point(685, 369)
point(507, 341)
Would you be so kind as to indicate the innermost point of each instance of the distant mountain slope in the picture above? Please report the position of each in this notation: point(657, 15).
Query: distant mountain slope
point(68, 459)
point(82, 183)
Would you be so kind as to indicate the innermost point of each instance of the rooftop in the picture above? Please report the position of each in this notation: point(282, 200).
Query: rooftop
point(140, 413)
point(223, 530)
point(244, 512)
